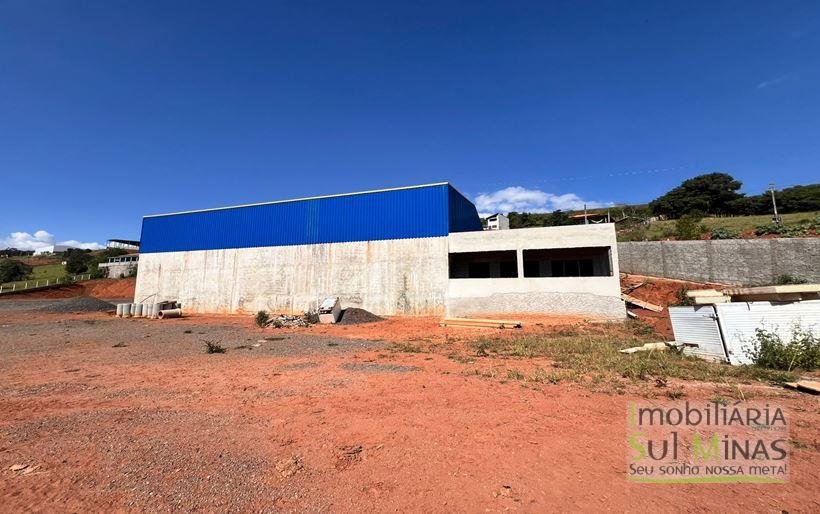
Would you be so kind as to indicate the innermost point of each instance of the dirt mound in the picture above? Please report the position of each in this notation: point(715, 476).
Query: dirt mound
point(116, 288)
point(79, 304)
point(660, 291)
point(354, 316)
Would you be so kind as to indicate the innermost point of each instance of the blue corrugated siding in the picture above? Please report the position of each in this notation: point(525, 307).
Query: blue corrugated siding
point(463, 215)
point(400, 214)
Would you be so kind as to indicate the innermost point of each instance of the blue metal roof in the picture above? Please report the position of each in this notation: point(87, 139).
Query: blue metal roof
point(418, 211)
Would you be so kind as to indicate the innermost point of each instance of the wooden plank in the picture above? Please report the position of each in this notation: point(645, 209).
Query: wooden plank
point(695, 293)
point(709, 300)
point(791, 288)
point(483, 320)
point(479, 323)
point(640, 303)
point(805, 386)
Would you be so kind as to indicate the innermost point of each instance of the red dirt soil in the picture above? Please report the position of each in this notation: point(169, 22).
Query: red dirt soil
point(662, 292)
point(108, 289)
point(128, 430)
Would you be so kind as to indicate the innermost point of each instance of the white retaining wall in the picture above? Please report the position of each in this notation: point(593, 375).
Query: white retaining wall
point(404, 276)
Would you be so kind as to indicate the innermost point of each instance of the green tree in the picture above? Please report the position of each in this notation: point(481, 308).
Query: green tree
point(76, 261)
point(558, 218)
point(792, 199)
point(12, 270)
point(712, 193)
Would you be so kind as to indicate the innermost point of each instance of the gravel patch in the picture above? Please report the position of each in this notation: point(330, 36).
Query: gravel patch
point(78, 304)
point(372, 367)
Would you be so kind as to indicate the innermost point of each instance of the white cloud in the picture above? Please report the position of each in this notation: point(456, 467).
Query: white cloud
point(519, 199)
point(79, 244)
point(767, 83)
point(41, 238)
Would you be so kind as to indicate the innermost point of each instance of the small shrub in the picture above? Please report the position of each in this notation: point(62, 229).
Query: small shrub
point(770, 351)
point(312, 317)
point(213, 347)
point(676, 393)
point(119, 345)
point(769, 228)
point(639, 327)
point(682, 298)
point(262, 319)
point(407, 348)
point(724, 233)
point(514, 374)
point(689, 227)
point(786, 279)
point(97, 272)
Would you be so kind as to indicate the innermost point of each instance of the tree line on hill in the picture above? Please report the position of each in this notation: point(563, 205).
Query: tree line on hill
point(77, 261)
point(712, 194)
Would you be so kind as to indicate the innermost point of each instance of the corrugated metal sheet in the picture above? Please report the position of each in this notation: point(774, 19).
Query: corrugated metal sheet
point(422, 211)
point(698, 326)
point(463, 214)
point(740, 320)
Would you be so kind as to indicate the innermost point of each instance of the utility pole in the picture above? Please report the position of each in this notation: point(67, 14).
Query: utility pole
point(586, 219)
point(776, 218)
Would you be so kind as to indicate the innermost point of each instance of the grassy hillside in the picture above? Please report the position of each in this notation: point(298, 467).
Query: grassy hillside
point(661, 229)
point(44, 272)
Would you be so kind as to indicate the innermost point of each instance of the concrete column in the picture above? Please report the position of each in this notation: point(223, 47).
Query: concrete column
point(519, 257)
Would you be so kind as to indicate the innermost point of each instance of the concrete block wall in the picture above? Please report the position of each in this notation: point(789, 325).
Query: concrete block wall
point(406, 276)
point(750, 262)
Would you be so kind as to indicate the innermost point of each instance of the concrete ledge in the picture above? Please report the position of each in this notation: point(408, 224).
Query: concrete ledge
point(585, 304)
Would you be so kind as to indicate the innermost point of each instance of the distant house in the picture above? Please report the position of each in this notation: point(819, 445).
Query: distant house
point(498, 221)
point(52, 249)
point(123, 244)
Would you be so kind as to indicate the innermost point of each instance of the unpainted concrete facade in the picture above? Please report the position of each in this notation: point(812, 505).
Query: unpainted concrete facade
point(401, 276)
point(598, 296)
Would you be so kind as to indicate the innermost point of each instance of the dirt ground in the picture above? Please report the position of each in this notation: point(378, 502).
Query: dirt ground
point(109, 289)
point(133, 415)
point(660, 291)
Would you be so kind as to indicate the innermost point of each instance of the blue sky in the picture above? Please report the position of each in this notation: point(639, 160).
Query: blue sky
point(114, 109)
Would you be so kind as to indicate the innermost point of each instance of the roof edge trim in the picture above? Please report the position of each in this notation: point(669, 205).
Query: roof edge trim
point(298, 199)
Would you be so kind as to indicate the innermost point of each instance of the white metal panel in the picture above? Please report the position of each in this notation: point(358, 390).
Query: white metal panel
point(698, 326)
point(739, 320)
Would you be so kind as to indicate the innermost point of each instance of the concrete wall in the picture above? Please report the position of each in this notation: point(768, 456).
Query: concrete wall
point(406, 276)
point(731, 261)
point(115, 269)
point(593, 296)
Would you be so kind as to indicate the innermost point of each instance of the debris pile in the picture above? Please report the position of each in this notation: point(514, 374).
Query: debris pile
point(284, 320)
point(354, 316)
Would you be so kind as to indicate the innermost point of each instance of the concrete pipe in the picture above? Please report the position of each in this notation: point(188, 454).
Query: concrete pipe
point(126, 310)
point(119, 309)
point(133, 309)
point(138, 311)
point(155, 308)
point(170, 313)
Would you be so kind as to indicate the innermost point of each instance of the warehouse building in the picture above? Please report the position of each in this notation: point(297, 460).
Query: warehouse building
point(416, 250)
